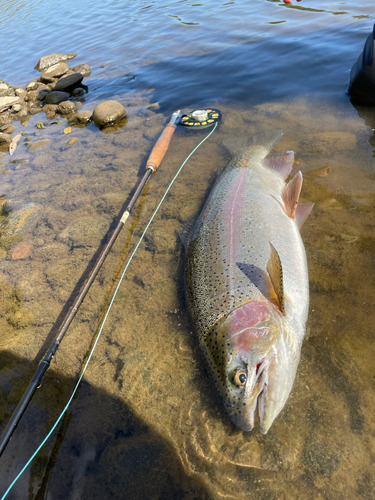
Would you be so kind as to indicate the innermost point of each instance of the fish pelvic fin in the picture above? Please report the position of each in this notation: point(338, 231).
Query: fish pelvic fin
point(303, 210)
point(275, 272)
point(281, 163)
point(290, 194)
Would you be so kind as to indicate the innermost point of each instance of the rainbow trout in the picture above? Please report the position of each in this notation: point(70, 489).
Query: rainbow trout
point(247, 282)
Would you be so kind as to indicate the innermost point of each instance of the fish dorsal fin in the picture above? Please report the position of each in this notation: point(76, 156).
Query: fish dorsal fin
point(275, 272)
point(281, 163)
point(303, 210)
point(290, 194)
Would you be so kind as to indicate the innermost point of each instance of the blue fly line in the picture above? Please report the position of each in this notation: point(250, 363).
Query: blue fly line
point(104, 320)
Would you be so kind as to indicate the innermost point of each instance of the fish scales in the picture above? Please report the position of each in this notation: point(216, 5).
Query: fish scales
point(228, 279)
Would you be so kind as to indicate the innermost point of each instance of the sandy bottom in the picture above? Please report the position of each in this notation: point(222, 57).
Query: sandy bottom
point(146, 422)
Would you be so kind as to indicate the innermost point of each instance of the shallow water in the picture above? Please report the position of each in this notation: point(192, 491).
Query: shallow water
point(146, 422)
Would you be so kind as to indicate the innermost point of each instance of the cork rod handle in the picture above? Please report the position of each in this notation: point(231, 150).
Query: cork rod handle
point(160, 148)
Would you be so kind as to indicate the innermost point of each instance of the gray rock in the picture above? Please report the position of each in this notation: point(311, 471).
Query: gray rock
point(7, 101)
point(84, 69)
point(5, 138)
point(55, 97)
point(66, 107)
point(69, 83)
point(81, 118)
point(47, 61)
point(108, 112)
point(58, 69)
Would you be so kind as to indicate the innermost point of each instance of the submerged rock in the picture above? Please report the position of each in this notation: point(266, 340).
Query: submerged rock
point(47, 61)
point(69, 83)
point(38, 144)
point(84, 232)
point(84, 69)
point(19, 220)
point(82, 117)
point(55, 97)
point(108, 112)
point(22, 251)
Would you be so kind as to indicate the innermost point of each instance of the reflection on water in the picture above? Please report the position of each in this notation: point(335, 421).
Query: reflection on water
point(147, 423)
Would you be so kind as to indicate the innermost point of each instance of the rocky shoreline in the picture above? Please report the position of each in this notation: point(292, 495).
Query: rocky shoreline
point(58, 90)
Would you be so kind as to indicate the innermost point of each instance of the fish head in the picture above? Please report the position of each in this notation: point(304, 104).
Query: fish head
point(255, 359)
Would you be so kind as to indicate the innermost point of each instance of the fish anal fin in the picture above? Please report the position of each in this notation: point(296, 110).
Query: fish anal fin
point(275, 272)
point(281, 163)
point(290, 194)
point(303, 210)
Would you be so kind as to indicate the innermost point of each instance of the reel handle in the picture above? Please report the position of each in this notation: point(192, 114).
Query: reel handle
point(160, 148)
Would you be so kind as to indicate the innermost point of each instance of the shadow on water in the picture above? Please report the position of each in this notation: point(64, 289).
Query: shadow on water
point(102, 449)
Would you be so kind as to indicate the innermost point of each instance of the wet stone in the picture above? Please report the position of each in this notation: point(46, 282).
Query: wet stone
point(108, 112)
point(82, 117)
point(78, 92)
point(58, 69)
point(66, 107)
point(56, 97)
point(5, 138)
point(50, 109)
point(47, 61)
point(84, 69)
point(69, 83)
point(7, 129)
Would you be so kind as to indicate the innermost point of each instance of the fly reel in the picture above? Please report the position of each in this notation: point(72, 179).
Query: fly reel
point(200, 118)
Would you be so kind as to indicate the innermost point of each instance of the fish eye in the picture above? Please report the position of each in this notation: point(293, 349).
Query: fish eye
point(239, 377)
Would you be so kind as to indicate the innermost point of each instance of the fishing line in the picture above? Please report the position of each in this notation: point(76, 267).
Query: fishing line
point(105, 319)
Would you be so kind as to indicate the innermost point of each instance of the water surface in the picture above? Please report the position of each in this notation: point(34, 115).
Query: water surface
point(146, 422)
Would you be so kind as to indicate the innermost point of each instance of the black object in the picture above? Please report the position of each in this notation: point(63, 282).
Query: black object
point(362, 76)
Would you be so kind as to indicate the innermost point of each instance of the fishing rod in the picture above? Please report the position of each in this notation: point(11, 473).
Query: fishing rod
point(196, 120)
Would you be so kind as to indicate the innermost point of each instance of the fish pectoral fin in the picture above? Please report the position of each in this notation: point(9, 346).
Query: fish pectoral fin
point(281, 163)
point(275, 272)
point(303, 210)
point(290, 194)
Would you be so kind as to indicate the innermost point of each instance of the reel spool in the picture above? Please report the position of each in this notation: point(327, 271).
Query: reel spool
point(200, 118)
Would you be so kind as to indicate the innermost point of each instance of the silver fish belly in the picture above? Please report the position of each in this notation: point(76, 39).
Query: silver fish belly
point(247, 284)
